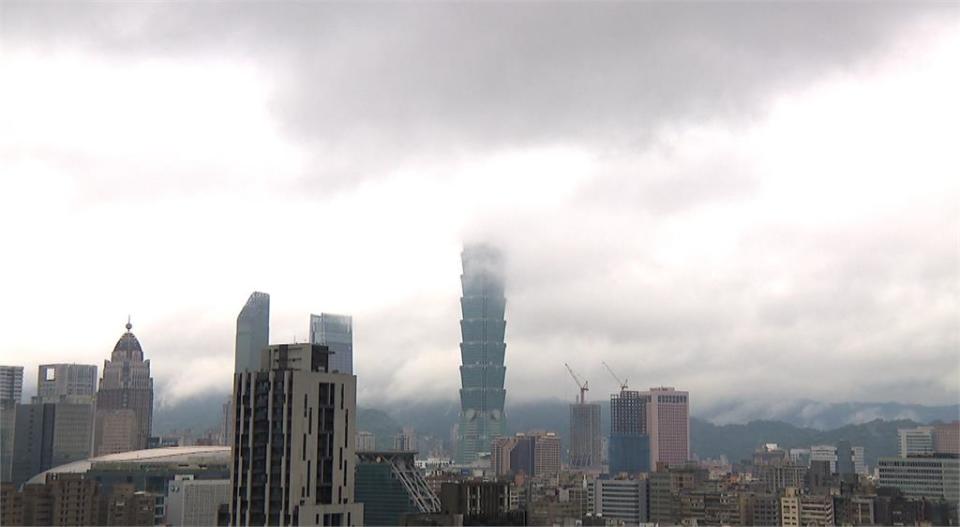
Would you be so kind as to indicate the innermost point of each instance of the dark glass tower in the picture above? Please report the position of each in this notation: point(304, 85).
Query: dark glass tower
point(482, 350)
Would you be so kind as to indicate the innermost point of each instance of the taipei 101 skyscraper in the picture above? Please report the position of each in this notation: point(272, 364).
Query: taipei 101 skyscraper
point(482, 350)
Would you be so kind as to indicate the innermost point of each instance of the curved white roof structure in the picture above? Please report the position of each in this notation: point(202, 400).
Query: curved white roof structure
point(176, 455)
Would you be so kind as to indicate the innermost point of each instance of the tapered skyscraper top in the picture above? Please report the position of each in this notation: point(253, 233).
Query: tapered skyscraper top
point(482, 351)
point(253, 332)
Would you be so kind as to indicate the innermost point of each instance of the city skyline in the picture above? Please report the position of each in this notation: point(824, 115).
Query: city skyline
point(677, 185)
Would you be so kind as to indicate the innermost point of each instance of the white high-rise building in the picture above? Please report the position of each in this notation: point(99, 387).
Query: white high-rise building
point(294, 459)
point(859, 461)
point(825, 453)
point(916, 441)
point(618, 499)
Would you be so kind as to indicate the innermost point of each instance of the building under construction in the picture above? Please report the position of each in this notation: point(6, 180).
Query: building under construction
point(585, 429)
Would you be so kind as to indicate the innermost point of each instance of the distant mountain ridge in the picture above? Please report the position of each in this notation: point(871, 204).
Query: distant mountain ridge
point(797, 424)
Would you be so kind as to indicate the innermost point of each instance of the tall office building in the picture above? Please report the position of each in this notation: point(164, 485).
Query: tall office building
point(124, 416)
point(668, 424)
point(11, 383)
point(946, 438)
point(482, 351)
point(293, 457)
point(253, 332)
point(585, 433)
point(536, 454)
point(845, 458)
point(860, 460)
point(49, 434)
point(916, 441)
point(55, 381)
point(629, 439)
point(932, 476)
point(825, 453)
point(336, 333)
point(11, 390)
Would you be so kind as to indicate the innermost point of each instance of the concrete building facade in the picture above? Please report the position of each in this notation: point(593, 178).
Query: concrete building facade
point(11, 392)
point(51, 434)
point(191, 502)
point(294, 441)
point(668, 425)
point(930, 477)
point(585, 434)
point(55, 381)
point(946, 438)
point(621, 500)
point(916, 441)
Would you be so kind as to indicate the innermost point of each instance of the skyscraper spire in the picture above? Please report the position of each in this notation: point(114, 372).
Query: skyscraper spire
point(129, 325)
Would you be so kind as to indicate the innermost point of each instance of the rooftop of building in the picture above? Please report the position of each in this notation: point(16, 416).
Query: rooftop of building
point(177, 455)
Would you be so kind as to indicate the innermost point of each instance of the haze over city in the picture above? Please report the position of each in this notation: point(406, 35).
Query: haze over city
point(749, 201)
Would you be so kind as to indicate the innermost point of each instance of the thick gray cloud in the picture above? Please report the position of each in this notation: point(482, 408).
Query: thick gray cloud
point(702, 242)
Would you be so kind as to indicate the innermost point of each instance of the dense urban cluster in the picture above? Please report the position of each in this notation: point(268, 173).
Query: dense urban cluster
point(288, 450)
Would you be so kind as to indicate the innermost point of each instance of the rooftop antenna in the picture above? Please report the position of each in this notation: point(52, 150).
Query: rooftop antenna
point(623, 383)
point(582, 385)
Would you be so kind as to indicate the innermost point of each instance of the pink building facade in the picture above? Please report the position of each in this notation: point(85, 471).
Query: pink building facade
point(668, 423)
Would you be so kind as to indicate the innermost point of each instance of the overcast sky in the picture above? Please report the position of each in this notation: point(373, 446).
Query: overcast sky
point(747, 201)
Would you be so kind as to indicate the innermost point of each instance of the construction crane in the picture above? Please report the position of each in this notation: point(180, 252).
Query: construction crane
point(623, 383)
point(582, 385)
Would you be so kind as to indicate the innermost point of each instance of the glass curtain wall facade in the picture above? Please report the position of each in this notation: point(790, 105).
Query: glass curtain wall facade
point(482, 351)
point(253, 332)
point(336, 333)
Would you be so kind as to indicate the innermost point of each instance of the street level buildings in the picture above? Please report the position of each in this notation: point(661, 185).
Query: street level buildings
point(336, 333)
point(622, 500)
point(124, 416)
point(482, 351)
point(293, 461)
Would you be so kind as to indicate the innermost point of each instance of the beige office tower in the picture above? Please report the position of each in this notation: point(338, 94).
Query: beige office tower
point(294, 459)
point(668, 423)
point(116, 431)
point(125, 394)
